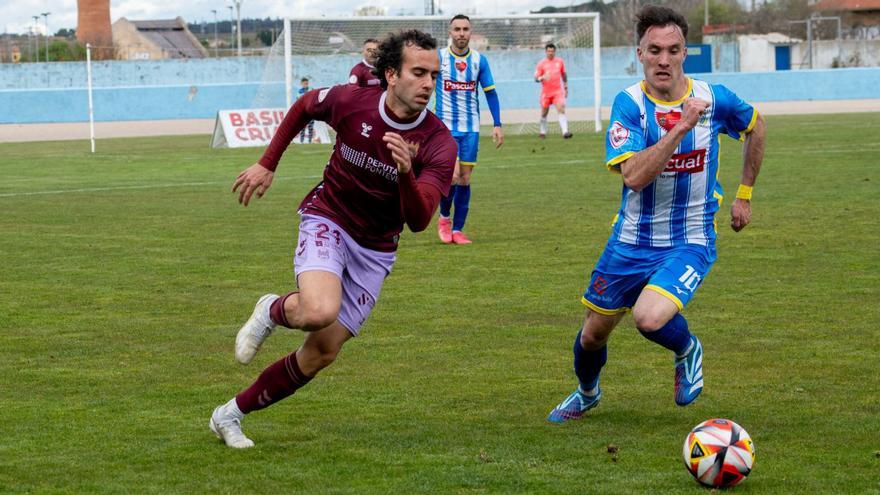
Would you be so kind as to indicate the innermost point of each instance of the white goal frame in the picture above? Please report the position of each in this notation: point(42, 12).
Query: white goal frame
point(597, 51)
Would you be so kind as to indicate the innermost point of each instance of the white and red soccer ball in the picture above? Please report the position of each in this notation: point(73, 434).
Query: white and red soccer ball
point(719, 453)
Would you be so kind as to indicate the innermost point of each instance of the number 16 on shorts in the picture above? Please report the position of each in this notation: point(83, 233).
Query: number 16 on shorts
point(690, 278)
point(680, 281)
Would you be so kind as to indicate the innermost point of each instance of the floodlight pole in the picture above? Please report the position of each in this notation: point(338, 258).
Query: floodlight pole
point(238, 24)
point(36, 37)
point(46, 20)
point(706, 12)
point(231, 26)
point(215, 31)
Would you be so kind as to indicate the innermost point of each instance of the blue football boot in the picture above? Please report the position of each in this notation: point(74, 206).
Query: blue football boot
point(689, 374)
point(574, 406)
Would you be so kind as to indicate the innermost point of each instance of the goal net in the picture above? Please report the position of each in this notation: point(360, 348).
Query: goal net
point(324, 49)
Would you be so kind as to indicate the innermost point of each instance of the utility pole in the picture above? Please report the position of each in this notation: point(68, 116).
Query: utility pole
point(215, 32)
point(46, 21)
point(706, 13)
point(238, 24)
point(231, 26)
point(36, 37)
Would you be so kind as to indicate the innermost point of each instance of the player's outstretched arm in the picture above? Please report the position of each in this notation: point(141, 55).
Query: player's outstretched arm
point(254, 179)
point(258, 177)
point(753, 157)
point(642, 168)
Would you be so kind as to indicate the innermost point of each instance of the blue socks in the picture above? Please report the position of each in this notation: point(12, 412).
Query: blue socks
point(462, 203)
point(588, 364)
point(446, 202)
point(674, 335)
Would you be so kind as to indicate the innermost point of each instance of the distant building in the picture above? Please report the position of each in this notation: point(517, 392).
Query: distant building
point(155, 40)
point(853, 13)
point(721, 33)
point(369, 11)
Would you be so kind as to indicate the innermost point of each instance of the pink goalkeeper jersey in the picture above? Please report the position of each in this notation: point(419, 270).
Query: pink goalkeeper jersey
point(552, 71)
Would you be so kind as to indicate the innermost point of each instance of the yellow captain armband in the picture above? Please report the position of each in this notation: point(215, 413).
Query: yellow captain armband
point(744, 192)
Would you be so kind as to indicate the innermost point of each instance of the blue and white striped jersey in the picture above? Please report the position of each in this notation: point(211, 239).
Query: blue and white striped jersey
point(456, 101)
point(679, 206)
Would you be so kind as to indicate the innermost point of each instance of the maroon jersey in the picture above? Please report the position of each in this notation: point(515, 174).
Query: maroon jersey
point(362, 75)
point(360, 189)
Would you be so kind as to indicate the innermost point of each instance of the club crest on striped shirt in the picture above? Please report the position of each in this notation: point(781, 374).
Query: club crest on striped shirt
point(667, 120)
point(461, 65)
point(705, 119)
point(618, 134)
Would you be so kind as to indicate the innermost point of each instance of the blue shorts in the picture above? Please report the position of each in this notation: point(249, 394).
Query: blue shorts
point(468, 143)
point(624, 270)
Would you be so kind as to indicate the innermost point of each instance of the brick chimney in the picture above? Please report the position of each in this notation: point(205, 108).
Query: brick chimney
point(93, 26)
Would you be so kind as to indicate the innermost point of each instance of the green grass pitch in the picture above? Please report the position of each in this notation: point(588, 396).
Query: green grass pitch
point(127, 273)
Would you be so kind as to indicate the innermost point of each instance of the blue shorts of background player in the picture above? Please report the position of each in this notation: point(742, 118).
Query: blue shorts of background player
point(624, 270)
point(468, 145)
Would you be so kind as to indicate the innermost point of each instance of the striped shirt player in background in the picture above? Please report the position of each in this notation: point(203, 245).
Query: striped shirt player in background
point(362, 73)
point(457, 103)
point(550, 72)
point(664, 140)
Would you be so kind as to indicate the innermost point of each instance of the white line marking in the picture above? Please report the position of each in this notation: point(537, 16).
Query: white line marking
point(139, 186)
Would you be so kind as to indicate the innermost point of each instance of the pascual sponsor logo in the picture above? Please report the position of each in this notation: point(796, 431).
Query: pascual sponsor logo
point(459, 85)
point(691, 162)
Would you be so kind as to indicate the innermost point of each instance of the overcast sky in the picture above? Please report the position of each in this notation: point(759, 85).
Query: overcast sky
point(16, 16)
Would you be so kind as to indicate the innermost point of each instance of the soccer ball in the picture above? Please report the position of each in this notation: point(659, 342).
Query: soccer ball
point(719, 453)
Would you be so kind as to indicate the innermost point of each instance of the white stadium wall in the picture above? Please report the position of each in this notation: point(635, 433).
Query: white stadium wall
point(191, 89)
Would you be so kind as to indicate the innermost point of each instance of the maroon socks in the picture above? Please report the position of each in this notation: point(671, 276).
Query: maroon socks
point(278, 381)
point(276, 311)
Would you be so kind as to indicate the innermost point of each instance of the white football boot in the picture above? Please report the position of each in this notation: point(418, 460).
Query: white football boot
point(228, 428)
point(256, 330)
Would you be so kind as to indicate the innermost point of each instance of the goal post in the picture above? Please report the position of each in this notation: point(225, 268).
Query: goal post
point(325, 48)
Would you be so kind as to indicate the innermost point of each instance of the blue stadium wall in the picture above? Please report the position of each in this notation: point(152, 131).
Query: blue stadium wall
point(191, 89)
